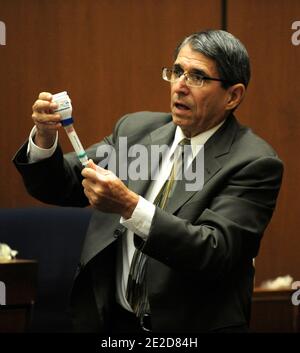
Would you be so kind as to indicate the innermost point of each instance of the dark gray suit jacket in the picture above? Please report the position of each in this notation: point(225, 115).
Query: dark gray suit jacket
point(200, 273)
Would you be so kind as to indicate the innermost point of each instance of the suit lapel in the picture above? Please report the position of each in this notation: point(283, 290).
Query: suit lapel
point(162, 136)
point(218, 145)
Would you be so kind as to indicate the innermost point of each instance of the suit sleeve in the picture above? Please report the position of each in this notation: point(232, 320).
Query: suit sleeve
point(57, 179)
point(228, 230)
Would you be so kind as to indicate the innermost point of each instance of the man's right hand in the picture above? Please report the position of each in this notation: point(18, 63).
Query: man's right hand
point(46, 121)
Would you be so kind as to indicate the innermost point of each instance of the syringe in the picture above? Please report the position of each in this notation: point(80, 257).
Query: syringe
point(65, 110)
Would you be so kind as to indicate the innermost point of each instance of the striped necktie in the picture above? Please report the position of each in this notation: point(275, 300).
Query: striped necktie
point(136, 292)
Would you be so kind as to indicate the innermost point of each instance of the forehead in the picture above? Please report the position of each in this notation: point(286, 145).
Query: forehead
point(191, 59)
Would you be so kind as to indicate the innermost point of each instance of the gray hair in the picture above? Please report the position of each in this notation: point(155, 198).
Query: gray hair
point(229, 54)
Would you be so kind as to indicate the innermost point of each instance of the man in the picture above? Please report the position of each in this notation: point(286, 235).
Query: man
point(196, 251)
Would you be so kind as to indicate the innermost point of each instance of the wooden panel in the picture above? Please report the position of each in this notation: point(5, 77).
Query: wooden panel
point(15, 319)
point(107, 54)
point(273, 311)
point(20, 278)
point(272, 109)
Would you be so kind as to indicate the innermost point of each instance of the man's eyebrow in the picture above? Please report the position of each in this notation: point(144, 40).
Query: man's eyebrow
point(177, 67)
point(194, 70)
point(199, 72)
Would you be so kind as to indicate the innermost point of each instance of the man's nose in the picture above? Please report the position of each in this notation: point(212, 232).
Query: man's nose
point(180, 85)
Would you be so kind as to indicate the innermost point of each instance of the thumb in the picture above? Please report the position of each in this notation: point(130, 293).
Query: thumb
point(91, 165)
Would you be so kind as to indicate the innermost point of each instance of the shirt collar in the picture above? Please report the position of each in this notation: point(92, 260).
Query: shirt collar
point(196, 141)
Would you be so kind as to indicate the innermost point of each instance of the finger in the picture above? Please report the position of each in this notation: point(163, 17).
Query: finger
point(102, 171)
point(45, 96)
point(93, 192)
point(44, 117)
point(89, 174)
point(93, 186)
point(101, 181)
point(85, 184)
point(42, 106)
point(44, 122)
point(87, 188)
point(48, 126)
point(87, 194)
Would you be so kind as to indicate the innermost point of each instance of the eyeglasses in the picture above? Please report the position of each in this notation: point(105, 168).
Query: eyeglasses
point(191, 79)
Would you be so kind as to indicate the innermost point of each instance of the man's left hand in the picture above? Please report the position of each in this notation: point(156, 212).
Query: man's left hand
point(106, 192)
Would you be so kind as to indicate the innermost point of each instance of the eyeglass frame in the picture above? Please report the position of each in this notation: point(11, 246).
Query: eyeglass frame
point(187, 77)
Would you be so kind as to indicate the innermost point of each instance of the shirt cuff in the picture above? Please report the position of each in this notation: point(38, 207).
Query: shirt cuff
point(141, 218)
point(36, 153)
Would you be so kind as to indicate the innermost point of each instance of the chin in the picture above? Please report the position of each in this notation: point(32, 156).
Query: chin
point(181, 120)
point(183, 124)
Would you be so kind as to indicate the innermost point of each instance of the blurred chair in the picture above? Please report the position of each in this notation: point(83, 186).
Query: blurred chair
point(53, 236)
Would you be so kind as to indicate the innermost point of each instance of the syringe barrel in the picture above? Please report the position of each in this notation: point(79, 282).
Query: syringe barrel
point(73, 137)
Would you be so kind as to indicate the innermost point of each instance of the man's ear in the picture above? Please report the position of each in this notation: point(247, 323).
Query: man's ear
point(236, 94)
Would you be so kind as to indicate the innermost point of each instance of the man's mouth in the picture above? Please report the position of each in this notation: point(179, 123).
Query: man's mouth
point(181, 106)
